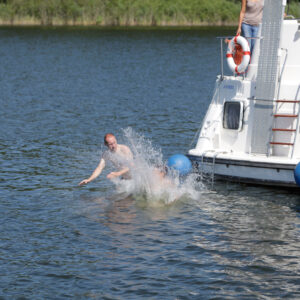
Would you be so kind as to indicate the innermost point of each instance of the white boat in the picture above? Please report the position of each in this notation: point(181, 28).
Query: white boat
point(251, 130)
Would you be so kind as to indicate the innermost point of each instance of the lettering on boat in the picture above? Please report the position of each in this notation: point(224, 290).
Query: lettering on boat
point(229, 87)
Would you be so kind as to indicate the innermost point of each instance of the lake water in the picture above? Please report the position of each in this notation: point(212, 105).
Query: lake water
point(61, 91)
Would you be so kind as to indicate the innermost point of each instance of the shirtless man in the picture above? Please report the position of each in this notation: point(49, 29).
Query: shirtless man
point(119, 155)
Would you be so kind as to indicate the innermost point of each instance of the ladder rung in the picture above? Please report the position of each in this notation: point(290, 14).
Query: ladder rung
point(287, 101)
point(282, 129)
point(283, 144)
point(285, 116)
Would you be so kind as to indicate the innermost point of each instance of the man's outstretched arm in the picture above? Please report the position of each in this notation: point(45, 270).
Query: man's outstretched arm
point(95, 174)
point(118, 173)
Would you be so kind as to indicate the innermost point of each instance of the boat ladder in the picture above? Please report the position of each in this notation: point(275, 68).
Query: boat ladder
point(289, 128)
point(211, 164)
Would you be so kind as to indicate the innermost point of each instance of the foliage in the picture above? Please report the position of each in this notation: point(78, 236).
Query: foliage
point(294, 9)
point(126, 12)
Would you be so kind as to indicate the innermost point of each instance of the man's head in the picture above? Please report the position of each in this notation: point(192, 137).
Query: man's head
point(111, 142)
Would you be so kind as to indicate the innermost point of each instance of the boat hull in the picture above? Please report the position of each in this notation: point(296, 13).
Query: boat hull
point(262, 173)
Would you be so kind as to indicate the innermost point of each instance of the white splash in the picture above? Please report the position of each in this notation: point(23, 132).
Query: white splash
point(149, 182)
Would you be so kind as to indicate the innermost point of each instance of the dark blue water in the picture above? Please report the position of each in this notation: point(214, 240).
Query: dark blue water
point(61, 90)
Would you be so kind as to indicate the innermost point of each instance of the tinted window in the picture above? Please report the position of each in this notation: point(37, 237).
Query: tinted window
point(231, 118)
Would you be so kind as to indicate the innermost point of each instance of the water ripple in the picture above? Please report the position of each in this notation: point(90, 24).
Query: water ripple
point(60, 241)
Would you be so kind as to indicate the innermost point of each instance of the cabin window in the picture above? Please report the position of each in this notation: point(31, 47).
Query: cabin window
point(233, 115)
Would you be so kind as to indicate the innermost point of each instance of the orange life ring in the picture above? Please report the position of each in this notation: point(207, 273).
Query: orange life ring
point(238, 54)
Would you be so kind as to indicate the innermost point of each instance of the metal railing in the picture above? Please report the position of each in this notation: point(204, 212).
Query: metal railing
point(224, 38)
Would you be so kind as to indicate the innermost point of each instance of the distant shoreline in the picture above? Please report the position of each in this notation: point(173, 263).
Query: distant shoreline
point(119, 13)
point(38, 23)
point(103, 14)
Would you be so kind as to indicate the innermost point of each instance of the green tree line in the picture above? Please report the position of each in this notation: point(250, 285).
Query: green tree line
point(124, 12)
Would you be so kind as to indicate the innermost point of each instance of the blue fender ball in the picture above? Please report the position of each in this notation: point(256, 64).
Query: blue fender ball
point(180, 163)
point(297, 174)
